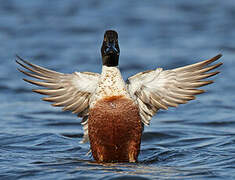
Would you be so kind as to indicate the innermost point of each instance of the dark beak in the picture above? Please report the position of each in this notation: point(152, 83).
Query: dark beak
point(111, 49)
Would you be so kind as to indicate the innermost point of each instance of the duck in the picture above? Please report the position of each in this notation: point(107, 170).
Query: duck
point(113, 111)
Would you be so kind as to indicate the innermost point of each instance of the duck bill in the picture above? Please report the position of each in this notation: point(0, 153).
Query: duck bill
point(111, 49)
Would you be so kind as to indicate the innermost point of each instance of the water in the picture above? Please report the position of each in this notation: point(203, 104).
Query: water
point(194, 141)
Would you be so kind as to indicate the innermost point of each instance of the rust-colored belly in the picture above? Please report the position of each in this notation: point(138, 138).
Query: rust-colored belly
point(114, 128)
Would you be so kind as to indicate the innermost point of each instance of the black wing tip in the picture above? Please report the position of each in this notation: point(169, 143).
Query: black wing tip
point(215, 73)
point(219, 64)
point(219, 55)
point(20, 70)
point(17, 61)
point(21, 59)
point(27, 80)
point(216, 57)
point(18, 58)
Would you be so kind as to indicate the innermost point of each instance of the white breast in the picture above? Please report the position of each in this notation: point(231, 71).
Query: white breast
point(110, 83)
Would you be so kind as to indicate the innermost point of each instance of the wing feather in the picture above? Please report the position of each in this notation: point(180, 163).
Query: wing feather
point(39, 68)
point(82, 107)
point(51, 92)
point(43, 84)
point(159, 89)
point(34, 75)
point(198, 65)
point(72, 91)
point(57, 98)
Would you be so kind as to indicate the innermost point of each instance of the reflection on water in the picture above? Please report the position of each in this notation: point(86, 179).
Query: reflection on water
point(195, 141)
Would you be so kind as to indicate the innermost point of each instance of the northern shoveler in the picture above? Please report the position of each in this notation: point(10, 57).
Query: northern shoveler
point(113, 111)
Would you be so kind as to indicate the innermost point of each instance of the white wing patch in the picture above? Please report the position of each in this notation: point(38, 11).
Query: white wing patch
point(158, 89)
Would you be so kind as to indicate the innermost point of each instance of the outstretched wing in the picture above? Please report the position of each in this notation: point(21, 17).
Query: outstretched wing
point(160, 89)
point(71, 91)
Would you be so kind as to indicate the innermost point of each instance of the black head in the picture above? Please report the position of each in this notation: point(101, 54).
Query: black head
point(110, 49)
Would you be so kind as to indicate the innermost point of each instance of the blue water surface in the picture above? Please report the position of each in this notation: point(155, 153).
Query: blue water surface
point(194, 141)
